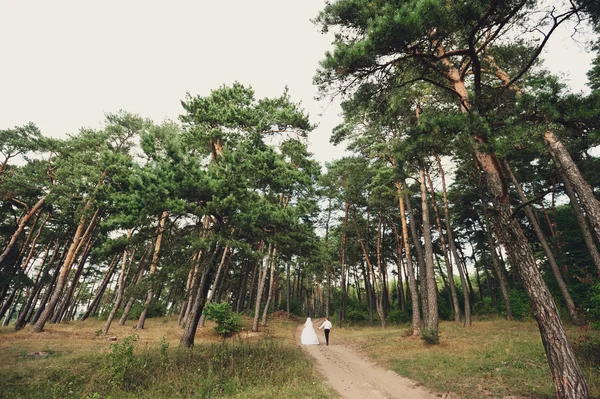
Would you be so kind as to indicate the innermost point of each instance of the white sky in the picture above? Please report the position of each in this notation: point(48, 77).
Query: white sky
point(64, 64)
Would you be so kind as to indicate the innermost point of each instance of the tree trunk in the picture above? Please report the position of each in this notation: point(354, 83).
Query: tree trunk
point(568, 169)
point(342, 263)
point(261, 285)
point(94, 305)
point(21, 227)
point(421, 283)
point(544, 243)
point(431, 321)
point(153, 269)
point(585, 230)
point(211, 293)
point(498, 266)
point(454, 297)
point(270, 294)
point(191, 324)
point(71, 254)
point(120, 287)
point(414, 295)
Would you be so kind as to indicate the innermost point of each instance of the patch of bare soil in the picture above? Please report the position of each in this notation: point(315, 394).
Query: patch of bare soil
point(353, 376)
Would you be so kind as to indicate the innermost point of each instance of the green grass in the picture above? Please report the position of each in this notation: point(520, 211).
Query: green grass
point(493, 358)
point(82, 365)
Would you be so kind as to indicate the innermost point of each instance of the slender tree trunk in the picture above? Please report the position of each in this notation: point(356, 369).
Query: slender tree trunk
point(37, 286)
point(94, 305)
point(21, 227)
point(569, 170)
point(120, 288)
point(342, 263)
point(191, 324)
point(453, 294)
point(71, 254)
point(544, 243)
point(585, 230)
point(498, 266)
point(261, 285)
point(431, 322)
point(414, 295)
point(153, 269)
point(452, 247)
point(421, 283)
point(218, 277)
point(270, 294)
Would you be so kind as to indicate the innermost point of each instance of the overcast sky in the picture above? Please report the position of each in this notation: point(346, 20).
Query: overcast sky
point(64, 64)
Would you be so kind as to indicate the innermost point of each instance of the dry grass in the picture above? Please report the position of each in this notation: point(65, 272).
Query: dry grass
point(489, 359)
point(76, 365)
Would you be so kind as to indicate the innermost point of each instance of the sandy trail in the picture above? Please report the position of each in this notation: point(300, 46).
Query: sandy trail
point(353, 376)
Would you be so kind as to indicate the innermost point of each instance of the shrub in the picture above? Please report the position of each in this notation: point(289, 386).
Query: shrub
point(120, 361)
point(228, 323)
point(520, 305)
point(398, 316)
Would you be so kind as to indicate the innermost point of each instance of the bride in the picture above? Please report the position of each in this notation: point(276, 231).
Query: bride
point(309, 336)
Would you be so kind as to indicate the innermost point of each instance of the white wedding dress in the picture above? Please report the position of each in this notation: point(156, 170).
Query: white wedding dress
point(309, 336)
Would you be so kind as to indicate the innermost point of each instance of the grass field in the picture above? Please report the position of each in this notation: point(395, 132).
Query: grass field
point(79, 363)
point(493, 358)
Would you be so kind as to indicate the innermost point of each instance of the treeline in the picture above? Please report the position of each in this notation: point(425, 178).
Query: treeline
point(138, 219)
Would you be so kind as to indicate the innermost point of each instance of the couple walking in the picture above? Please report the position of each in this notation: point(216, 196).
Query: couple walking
point(309, 336)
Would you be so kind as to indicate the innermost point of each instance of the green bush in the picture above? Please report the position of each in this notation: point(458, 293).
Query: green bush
point(228, 323)
point(398, 316)
point(120, 361)
point(520, 304)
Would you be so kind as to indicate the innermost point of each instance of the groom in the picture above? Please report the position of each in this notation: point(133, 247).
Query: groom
point(327, 326)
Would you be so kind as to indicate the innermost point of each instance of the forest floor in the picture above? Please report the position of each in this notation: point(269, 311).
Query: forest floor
point(354, 376)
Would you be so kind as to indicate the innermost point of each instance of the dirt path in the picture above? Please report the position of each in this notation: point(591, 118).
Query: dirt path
point(355, 377)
